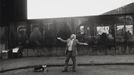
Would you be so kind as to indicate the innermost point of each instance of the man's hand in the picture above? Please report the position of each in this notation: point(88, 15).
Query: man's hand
point(62, 40)
point(85, 43)
point(59, 38)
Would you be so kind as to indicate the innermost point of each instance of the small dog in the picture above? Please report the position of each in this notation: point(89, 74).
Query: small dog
point(41, 68)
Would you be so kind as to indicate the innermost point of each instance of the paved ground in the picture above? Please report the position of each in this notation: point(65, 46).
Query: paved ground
point(89, 70)
point(29, 61)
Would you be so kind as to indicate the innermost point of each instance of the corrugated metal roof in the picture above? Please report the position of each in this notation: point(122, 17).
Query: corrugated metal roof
point(122, 10)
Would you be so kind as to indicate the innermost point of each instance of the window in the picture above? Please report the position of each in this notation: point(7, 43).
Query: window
point(102, 29)
point(129, 28)
point(82, 30)
point(120, 30)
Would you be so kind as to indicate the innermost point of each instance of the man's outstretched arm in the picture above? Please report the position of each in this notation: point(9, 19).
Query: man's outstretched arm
point(80, 43)
point(62, 40)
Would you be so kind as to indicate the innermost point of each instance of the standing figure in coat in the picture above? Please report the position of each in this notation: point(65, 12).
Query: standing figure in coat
point(71, 51)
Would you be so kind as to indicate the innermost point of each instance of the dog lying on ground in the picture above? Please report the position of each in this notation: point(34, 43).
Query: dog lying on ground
point(41, 68)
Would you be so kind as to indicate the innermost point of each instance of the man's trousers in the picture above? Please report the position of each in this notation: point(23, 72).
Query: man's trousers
point(68, 56)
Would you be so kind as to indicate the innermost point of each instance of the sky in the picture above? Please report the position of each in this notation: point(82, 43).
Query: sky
point(38, 9)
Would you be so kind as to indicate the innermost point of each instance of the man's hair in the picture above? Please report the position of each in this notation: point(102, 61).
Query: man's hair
point(73, 35)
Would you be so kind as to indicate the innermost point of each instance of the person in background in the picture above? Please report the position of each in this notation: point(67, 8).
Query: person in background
point(103, 40)
point(71, 51)
point(35, 40)
point(22, 40)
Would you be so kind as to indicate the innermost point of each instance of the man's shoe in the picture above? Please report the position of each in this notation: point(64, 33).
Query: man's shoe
point(73, 70)
point(65, 71)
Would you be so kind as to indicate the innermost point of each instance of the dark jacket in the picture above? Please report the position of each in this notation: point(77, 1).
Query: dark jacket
point(74, 46)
